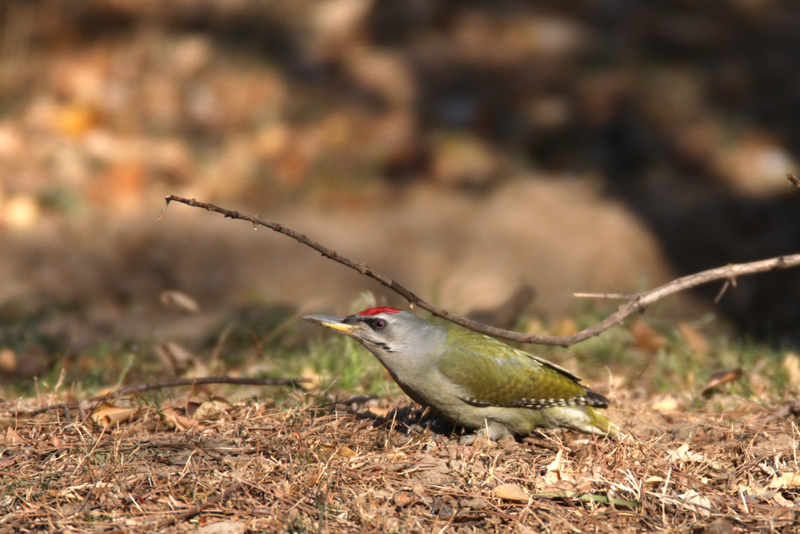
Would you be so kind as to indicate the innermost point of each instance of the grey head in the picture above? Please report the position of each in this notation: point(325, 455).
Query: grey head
point(397, 338)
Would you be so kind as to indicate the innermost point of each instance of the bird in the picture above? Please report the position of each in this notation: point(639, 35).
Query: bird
point(474, 380)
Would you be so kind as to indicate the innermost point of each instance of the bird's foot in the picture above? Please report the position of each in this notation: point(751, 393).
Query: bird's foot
point(468, 439)
point(491, 432)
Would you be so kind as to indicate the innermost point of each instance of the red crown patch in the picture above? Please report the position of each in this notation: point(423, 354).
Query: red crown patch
point(376, 311)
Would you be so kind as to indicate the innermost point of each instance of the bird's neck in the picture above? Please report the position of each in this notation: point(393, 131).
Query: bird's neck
point(417, 355)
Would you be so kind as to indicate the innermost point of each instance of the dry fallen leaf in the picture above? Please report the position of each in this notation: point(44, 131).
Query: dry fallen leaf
point(179, 300)
point(683, 454)
point(403, 499)
point(11, 437)
point(785, 480)
point(176, 420)
point(212, 409)
point(781, 500)
point(510, 492)
point(107, 414)
point(749, 489)
point(474, 503)
point(555, 475)
point(720, 377)
point(347, 452)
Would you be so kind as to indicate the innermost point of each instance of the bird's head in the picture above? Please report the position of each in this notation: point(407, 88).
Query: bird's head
point(384, 331)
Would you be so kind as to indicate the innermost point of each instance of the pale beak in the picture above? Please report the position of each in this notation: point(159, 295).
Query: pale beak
point(336, 323)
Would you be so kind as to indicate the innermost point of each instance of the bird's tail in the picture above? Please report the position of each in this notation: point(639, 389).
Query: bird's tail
point(584, 419)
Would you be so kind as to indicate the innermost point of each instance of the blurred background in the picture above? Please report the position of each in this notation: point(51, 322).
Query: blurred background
point(466, 149)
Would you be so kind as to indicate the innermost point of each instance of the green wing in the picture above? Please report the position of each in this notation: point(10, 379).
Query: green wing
point(491, 373)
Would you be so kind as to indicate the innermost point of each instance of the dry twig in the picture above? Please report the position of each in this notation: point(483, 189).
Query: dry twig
point(191, 512)
point(637, 303)
point(195, 510)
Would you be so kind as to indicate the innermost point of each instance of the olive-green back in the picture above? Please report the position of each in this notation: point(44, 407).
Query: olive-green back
point(493, 373)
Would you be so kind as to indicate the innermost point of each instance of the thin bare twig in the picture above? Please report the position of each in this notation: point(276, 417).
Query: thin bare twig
point(139, 388)
point(615, 296)
point(191, 512)
point(728, 283)
point(637, 303)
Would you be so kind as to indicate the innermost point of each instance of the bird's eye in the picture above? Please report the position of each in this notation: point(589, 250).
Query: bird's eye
point(379, 324)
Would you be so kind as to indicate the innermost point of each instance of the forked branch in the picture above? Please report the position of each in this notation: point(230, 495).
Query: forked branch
point(636, 303)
